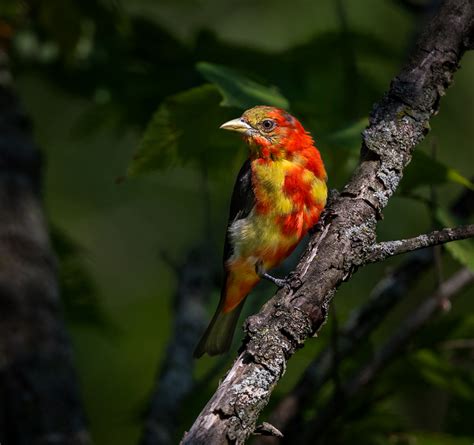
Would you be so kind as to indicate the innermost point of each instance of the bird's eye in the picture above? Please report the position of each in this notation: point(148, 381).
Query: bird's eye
point(268, 124)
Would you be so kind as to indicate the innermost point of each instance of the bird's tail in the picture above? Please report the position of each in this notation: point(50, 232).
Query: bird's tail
point(218, 336)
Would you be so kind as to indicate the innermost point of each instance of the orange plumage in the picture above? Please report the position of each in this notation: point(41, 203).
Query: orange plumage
point(278, 196)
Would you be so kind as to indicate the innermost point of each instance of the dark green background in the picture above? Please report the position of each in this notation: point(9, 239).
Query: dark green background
point(92, 74)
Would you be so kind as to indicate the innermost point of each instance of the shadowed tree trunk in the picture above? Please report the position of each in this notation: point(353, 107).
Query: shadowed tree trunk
point(39, 397)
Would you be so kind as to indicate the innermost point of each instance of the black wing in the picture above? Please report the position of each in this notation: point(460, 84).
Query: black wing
point(241, 204)
point(218, 335)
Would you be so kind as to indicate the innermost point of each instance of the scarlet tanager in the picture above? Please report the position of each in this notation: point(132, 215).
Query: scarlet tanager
point(279, 195)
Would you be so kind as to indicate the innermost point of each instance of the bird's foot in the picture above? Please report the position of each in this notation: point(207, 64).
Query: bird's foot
point(279, 282)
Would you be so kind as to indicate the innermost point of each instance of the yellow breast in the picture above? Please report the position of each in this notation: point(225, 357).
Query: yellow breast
point(289, 199)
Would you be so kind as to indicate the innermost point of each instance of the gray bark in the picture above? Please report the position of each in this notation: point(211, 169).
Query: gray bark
point(345, 234)
point(380, 251)
point(287, 414)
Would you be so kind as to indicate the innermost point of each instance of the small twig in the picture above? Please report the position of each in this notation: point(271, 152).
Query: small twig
point(266, 429)
point(381, 251)
point(287, 415)
point(391, 349)
point(438, 264)
point(412, 324)
point(346, 232)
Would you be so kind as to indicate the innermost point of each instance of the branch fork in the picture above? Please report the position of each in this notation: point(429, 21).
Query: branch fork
point(346, 236)
point(383, 250)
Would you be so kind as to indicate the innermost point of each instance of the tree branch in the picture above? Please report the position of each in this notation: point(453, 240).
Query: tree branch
point(391, 349)
point(381, 251)
point(287, 414)
point(346, 232)
point(412, 324)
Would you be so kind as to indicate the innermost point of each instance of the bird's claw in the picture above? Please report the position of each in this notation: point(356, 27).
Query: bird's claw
point(279, 282)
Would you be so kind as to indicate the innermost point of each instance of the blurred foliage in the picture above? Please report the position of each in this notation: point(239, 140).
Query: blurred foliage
point(440, 371)
point(81, 299)
point(104, 79)
point(183, 131)
point(425, 170)
point(239, 91)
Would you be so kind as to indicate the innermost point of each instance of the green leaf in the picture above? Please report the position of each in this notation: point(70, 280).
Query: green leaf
point(462, 251)
point(239, 91)
point(185, 130)
point(424, 170)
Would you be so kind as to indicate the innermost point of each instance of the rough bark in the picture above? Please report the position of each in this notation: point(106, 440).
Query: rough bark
point(386, 249)
point(345, 234)
point(39, 397)
point(287, 414)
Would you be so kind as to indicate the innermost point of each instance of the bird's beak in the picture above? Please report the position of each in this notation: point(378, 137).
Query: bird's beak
point(238, 125)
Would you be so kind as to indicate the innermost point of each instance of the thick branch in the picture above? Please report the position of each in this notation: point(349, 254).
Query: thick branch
point(346, 232)
point(381, 251)
point(287, 414)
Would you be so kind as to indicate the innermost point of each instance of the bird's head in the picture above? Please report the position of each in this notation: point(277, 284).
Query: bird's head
point(270, 132)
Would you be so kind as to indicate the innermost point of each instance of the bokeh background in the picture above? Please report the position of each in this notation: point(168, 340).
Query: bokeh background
point(92, 74)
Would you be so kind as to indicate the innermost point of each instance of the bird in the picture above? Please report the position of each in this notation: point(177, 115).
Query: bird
point(278, 197)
